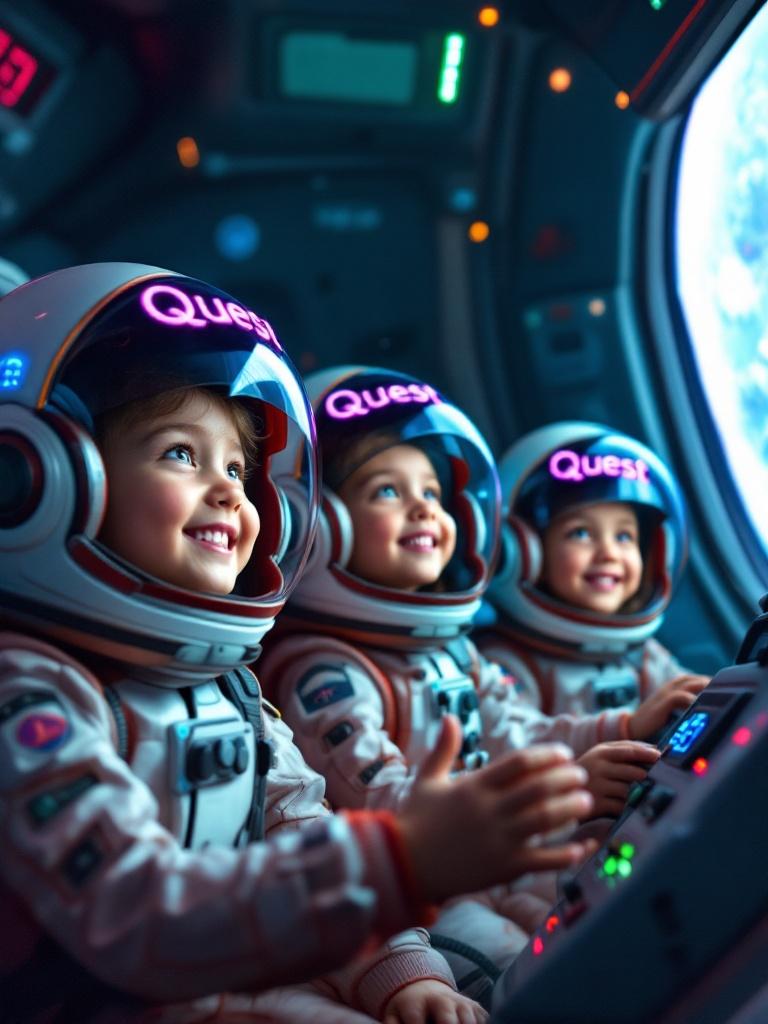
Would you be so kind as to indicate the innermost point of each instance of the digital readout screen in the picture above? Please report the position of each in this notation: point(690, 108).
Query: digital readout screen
point(24, 75)
point(683, 738)
point(321, 65)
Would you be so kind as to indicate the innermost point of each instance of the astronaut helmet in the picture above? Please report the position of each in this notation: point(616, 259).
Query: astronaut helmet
point(560, 467)
point(362, 411)
point(87, 343)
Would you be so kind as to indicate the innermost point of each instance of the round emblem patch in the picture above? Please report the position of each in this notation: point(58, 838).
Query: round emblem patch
point(43, 730)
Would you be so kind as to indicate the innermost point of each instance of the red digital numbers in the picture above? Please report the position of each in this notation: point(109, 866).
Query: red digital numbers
point(17, 70)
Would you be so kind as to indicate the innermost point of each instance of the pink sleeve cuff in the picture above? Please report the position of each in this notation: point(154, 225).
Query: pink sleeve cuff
point(394, 972)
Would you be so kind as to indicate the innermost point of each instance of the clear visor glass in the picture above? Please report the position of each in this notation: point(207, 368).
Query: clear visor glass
point(611, 468)
point(366, 414)
point(174, 334)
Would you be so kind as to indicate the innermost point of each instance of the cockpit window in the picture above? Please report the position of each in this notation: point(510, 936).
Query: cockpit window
point(722, 258)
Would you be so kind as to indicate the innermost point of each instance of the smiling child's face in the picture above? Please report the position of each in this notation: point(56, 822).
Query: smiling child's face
point(177, 507)
point(592, 556)
point(403, 537)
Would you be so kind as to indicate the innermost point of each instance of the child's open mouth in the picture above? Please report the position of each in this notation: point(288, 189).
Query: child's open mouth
point(419, 542)
point(216, 538)
point(603, 582)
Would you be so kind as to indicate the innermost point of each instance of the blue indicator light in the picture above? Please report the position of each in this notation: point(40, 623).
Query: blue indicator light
point(13, 370)
point(688, 732)
point(238, 237)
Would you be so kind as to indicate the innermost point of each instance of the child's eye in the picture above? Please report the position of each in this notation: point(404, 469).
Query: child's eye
point(236, 471)
point(578, 533)
point(385, 491)
point(626, 537)
point(181, 453)
point(432, 493)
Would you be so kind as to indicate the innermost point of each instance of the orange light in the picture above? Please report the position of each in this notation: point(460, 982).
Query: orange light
point(742, 736)
point(478, 231)
point(560, 80)
point(552, 922)
point(700, 766)
point(596, 307)
point(488, 16)
point(187, 151)
point(538, 946)
point(621, 99)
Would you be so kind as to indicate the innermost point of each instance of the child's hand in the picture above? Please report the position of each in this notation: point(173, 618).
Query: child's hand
point(469, 832)
point(676, 695)
point(432, 1002)
point(612, 767)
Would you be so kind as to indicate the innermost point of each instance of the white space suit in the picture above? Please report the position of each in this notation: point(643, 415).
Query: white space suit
point(566, 660)
point(136, 760)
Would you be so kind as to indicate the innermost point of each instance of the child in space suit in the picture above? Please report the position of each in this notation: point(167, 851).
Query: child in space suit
point(594, 540)
point(139, 768)
point(371, 651)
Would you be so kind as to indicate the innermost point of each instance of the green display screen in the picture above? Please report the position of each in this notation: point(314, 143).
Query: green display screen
point(321, 65)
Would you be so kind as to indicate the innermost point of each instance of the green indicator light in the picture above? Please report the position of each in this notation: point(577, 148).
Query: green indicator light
point(610, 866)
point(624, 868)
point(627, 850)
point(450, 69)
point(657, 4)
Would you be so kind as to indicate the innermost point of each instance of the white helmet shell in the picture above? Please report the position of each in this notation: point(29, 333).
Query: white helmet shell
point(79, 342)
point(351, 402)
point(572, 463)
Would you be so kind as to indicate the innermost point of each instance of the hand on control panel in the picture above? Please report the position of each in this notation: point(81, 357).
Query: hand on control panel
point(612, 768)
point(676, 695)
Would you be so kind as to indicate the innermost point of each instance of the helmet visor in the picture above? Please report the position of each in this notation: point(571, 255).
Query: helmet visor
point(371, 411)
point(176, 333)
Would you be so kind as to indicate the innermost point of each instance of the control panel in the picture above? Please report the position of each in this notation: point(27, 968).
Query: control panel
point(644, 927)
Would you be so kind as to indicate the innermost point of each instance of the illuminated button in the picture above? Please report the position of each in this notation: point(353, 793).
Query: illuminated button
point(742, 736)
point(538, 946)
point(611, 866)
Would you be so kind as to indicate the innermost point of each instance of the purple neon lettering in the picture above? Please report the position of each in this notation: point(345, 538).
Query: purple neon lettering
point(220, 317)
point(239, 316)
point(264, 330)
point(593, 469)
point(379, 402)
point(173, 307)
point(399, 393)
point(420, 394)
point(353, 406)
point(182, 315)
point(346, 403)
point(568, 465)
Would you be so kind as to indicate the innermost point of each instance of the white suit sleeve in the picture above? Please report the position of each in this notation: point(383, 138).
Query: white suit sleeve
point(81, 842)
point(336, 713)
point(512, 722)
